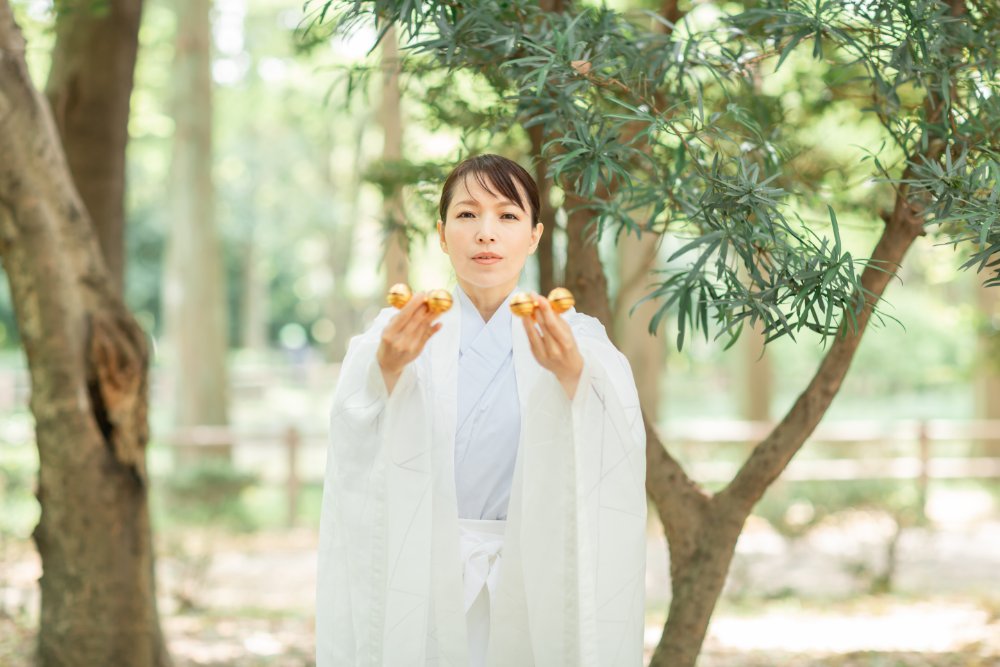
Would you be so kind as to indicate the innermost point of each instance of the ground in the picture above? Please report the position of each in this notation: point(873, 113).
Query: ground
point(230, 599)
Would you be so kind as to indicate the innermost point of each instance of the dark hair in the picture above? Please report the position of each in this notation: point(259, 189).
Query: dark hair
point(493, 171)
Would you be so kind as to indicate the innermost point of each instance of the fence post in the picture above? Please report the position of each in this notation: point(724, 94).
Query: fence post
point(292, 440)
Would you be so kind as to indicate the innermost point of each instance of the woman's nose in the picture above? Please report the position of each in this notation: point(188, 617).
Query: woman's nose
point(486, 233)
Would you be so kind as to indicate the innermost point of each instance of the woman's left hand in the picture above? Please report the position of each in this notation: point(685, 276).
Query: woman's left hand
point(553, 344)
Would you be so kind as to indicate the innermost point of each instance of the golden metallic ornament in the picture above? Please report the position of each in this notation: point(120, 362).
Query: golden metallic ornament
point(399, 295)
point(561, 299)
point(522, 305)
point(439, 301)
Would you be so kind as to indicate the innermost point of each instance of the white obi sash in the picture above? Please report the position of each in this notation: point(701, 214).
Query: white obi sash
point(480, 546)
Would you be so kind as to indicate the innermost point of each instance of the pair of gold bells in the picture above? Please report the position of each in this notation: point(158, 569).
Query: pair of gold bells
point(521, 304)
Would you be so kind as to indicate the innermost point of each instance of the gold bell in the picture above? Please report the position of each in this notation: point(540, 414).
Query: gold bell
point(561, 299)
point(522, 305)
point(399, 295)
point(439, 301)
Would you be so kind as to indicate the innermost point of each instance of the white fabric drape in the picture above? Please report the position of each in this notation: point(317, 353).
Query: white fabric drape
point(390, 583)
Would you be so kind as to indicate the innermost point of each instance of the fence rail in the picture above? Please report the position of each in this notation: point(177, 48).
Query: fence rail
point(920, 465)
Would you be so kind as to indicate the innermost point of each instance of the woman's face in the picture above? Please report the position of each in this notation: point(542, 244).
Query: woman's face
point(487, 237)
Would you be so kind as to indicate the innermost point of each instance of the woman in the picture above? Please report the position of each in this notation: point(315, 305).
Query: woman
point(484, 500)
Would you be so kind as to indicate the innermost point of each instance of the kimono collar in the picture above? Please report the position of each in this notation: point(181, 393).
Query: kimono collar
point(473, 325)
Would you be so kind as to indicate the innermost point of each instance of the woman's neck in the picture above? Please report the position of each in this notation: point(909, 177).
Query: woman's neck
point(487, 299)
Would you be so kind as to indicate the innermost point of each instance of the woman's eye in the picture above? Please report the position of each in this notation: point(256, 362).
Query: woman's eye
point(465, 214)
point(510, 216)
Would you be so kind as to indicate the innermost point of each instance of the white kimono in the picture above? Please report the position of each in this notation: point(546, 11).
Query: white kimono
point(571, 590)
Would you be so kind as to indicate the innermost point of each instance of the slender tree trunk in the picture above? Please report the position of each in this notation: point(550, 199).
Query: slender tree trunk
point(397, 251)
point(255, 296)
point(702, 529)
point(756, 375)
point(700, 582)
point(88, 362)
point(89, 87)
point(584, 272)
point(339, 304)
point(987, 369)
point(195, 298)
point(546, 214)
point(647, 354)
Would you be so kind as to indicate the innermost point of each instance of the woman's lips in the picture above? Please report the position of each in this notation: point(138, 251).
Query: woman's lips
point(486, 260)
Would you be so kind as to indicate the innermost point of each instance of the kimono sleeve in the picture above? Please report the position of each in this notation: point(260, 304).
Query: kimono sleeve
point(351, 549)
point(581, 544)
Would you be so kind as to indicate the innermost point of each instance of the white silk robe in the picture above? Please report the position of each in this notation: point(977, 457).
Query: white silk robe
point(571, 590)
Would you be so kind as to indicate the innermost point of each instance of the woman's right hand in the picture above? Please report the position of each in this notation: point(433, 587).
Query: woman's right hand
point(404, 338)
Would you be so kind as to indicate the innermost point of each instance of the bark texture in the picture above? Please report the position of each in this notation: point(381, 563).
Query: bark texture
point(89, 88)
point(88, 363)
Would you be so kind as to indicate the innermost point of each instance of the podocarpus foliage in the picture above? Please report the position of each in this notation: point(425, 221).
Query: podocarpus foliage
point(652, 128)
point(655, 126)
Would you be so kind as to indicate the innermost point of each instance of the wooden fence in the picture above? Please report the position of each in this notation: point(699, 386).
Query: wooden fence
point(919, 437)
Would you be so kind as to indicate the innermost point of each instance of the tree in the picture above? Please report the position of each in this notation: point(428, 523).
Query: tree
point(88, 361)
point(89, 87)
point(194, 292)
point(659, 131)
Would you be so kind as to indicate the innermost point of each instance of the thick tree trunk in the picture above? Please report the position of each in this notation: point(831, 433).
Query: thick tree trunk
point(194, 292)
point(89, 88)
point(88, 363)
point(397, 251)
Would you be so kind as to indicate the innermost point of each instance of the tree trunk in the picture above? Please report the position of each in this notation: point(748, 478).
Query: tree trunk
point(987, 368)
point(698, 583)
point(584, 271)
point(256, 300)
point(397, 252)
point(194, 293)
point(546, 214)
point(88, 359)
point(89, 87)
point(702, 530)
point(339, 305)
point(756, 375)
point(647, 354)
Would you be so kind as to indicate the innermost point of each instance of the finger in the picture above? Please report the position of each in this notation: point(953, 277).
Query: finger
point(431, 330)
point(407, 312)
point(556, 326)
point(534, 339)
point(553, 347)
point(418, 319)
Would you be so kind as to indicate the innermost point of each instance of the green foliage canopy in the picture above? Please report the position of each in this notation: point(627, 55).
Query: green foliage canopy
point(655, 126)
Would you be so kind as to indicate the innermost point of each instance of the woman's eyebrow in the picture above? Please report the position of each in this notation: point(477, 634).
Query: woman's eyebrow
point(473, 202)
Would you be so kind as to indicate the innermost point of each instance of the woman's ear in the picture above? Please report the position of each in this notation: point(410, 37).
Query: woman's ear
point(536, 235)
point(444, 244)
